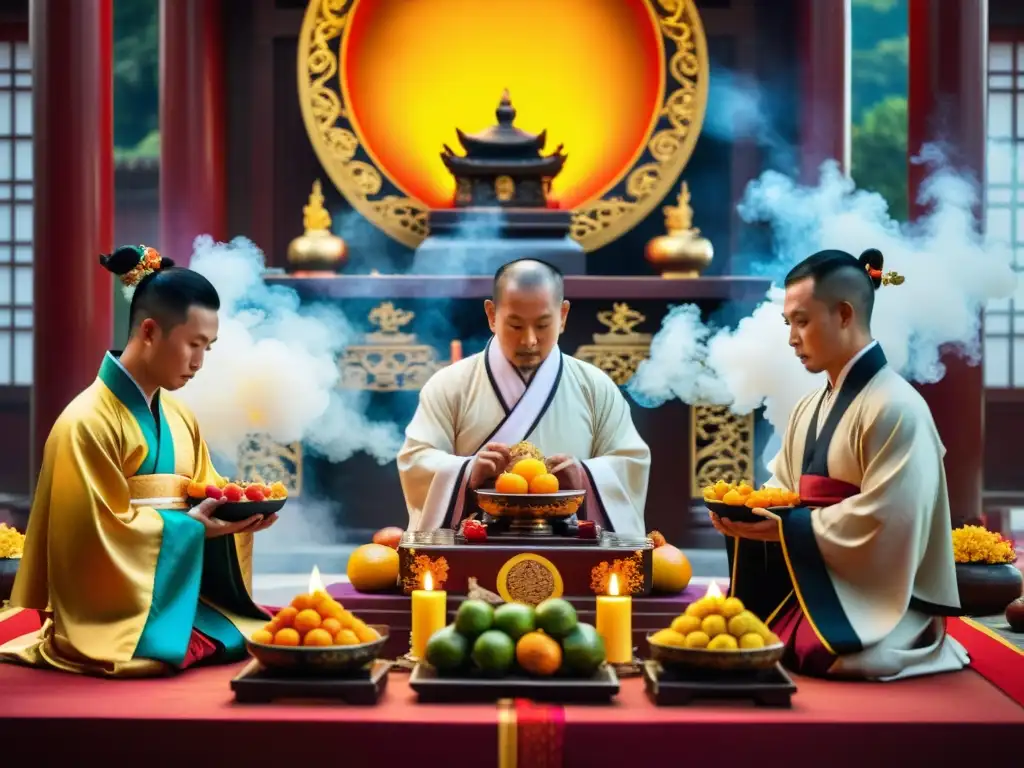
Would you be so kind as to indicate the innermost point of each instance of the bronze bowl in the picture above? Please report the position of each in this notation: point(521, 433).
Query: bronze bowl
point(558, 505)
point(319, 660)
point(671, 657)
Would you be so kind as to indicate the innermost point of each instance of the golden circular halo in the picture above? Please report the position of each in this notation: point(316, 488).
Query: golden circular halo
point(658, 162)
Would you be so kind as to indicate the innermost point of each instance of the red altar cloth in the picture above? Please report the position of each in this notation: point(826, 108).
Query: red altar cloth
point(942, 719)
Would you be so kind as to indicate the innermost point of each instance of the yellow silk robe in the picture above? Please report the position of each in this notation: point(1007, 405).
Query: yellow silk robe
point(122, 572)
point(568, 407)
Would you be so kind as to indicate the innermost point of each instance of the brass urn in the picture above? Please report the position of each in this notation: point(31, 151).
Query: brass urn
point(682, 253)
point(317, 249)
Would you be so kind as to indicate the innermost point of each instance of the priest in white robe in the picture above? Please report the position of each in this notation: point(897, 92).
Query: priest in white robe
point(522, 387)
point(858, 579)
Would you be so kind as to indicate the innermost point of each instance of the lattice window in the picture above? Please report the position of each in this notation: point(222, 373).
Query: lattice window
point(1004, 319)
point(15, 214)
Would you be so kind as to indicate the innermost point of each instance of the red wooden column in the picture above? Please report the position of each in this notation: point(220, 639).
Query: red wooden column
point(192, 124)
point(825, 86)
point(947, 101)
point(73, 126)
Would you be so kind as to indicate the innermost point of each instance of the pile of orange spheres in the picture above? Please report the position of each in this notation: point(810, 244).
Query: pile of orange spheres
point(315, 619)
point(527, 476)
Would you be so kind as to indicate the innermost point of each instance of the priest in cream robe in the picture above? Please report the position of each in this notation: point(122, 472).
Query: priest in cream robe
point(130, 581)
point(856, 581)
point(522, 387)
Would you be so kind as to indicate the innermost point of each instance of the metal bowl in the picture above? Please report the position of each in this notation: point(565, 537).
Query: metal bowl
point(741, 514)
point(320, 660)
point(670, 657)
point(560, 504)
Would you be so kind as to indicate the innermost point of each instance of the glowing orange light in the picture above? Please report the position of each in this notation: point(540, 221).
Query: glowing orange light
point(428, 582)
point(590, 72)
point(713, 591)
point(613, 584)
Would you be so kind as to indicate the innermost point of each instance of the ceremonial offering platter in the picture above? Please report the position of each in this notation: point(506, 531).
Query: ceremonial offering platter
point(243, 500)
point(735, 502)
point(515, 650)
point(530, 512)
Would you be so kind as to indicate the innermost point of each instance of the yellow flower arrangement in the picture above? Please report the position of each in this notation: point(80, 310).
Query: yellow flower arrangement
point(974, 544)
point(12, 543)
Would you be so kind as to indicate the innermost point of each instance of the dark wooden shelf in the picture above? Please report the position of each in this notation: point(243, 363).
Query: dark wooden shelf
point(322, 287)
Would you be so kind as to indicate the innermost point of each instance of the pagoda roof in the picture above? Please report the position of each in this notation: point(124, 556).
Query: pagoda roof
point(504, 137)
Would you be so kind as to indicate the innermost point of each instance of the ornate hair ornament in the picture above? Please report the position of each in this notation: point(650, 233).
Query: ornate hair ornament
point(887, 278)
point(149, 262)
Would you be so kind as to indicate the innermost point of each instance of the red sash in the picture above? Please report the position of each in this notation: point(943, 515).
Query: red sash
point(818, 491)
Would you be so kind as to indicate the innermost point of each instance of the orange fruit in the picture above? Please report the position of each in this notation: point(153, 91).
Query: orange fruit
point(373, 568)
point(346, 637)
point(545, 483)
point(538, 653)
point(529, 468)
point(286, 616)
point(196, 490)
point(330, 609)
point(389, 537)
point(306, 621)
point(263, 637)
point(364, 632)
point(509, 483)
point(671, 570)
point(286, 636)
point(318, 636)
point(332, 625)
point(302, 602)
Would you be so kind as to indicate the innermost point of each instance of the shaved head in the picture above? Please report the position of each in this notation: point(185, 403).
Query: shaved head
point(528, 275)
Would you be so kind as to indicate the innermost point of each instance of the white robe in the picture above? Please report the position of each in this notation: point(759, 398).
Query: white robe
point(874, 573)
point(568, 407)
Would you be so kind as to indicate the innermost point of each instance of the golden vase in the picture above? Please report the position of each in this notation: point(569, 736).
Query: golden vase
point(682, 252)
point(317, 249)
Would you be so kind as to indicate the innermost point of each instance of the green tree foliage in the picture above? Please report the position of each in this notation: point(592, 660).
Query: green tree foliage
point(879, 74)
point(136, 77)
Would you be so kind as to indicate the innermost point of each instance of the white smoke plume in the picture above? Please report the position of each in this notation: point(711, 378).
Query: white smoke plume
point(274, 367)
point(950, 270)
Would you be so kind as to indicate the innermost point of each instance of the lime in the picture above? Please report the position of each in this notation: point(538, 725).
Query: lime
point(447, 649)
point(514, 619)
point(556, 617)
point(494, 652)
point(583, 650)
point(473, 617)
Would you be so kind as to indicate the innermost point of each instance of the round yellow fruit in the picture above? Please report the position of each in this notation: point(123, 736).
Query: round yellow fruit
point(732, 606)
point(700, 608)
point(742, 624)
point(684, 624)
point(722, 643)
point(668, 637)
point(670, 569)
point(713, 625)
point(751, 640)
point(697, 639)
point(529, 468)
point(373, 568)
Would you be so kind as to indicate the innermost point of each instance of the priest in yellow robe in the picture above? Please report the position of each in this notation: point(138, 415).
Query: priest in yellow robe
point(522, 387)
point(132, 582)
point(856, 580)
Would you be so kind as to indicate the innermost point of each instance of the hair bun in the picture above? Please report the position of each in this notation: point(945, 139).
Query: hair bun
point(123, 260)
point(872, 260)
point(134, 262)
point(166, 262)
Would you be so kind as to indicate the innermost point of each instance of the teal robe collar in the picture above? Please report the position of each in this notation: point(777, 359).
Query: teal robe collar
point(159, 458)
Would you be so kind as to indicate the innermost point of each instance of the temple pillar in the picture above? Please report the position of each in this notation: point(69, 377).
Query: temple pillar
point(73, 166)
point(825, 86)
point(947, 102)
point(192, 125)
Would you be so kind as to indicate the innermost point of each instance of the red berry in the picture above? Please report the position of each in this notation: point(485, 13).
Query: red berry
point(254, 493)
point(213, 492)
point(474, 530)
point(232, 492)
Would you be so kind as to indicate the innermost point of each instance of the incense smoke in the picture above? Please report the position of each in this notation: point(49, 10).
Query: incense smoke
point(273, 369)
point(950, 270)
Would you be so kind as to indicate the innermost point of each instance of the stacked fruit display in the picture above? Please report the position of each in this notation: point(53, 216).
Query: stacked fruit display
point(716, 623)
point(315, 619)
point(236, 492)
point(516, 638)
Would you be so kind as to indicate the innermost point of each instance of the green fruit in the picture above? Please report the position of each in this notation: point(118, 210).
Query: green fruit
point(474, 616)
point(447, 649)
point(583, 650)
point(494, 652)
point(556, 617)
point(514, 619)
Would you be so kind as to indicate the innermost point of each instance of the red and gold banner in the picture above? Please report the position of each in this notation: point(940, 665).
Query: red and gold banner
point(992, 656)
point(530, 735)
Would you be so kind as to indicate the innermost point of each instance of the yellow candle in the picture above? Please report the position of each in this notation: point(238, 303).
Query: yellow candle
point(615, 623)
point(429, 614)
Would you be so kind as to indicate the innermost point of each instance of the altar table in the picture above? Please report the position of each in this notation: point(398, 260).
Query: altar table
point(62, 719)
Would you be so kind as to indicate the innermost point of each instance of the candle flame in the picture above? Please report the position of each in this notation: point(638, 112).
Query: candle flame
point(316, 584)
point(613, 584)
point(428, 581)
point(713, 590)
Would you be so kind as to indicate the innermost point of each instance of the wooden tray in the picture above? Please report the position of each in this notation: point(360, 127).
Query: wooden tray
point(432, 687)
point(257, 685)
point(770, 687)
